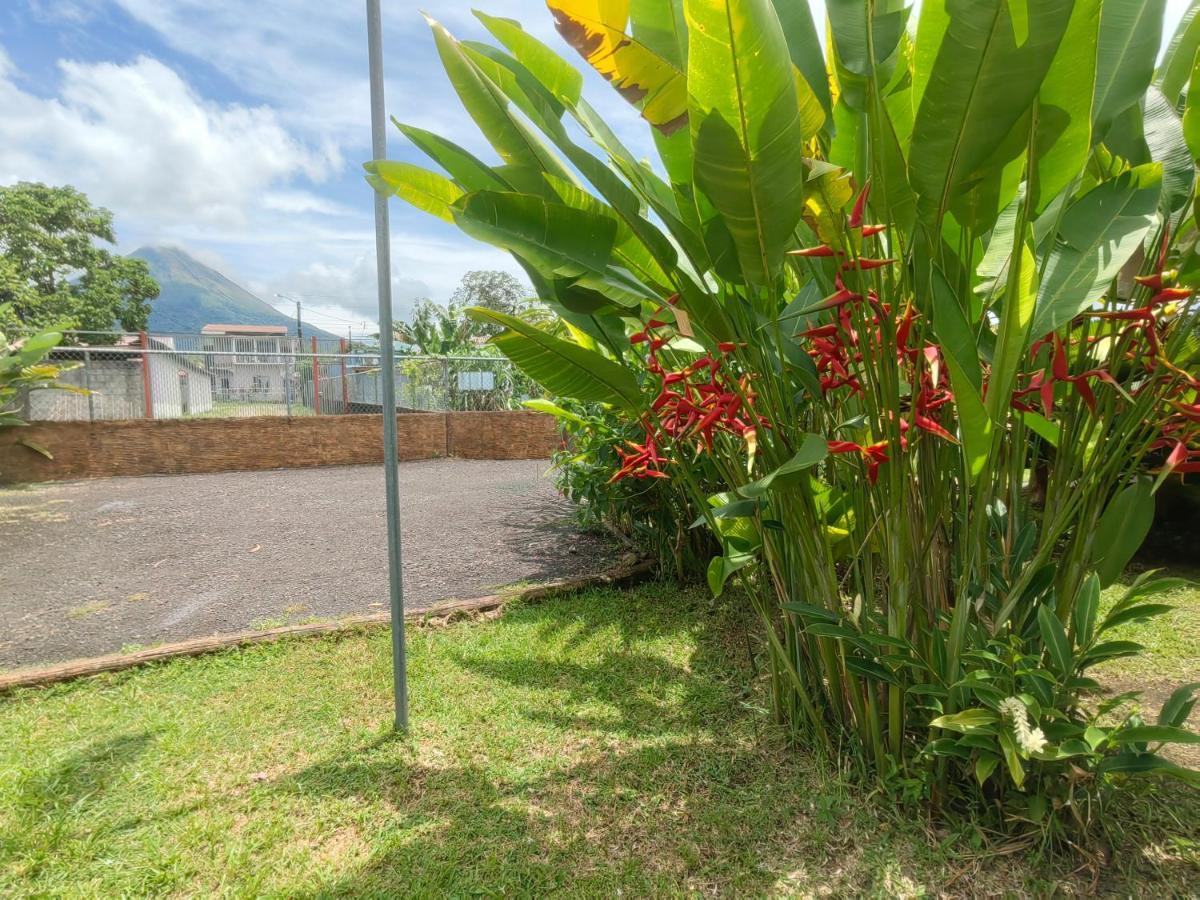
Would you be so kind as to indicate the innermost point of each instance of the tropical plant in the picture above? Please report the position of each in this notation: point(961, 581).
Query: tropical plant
point(23, 367)
point(654, 514)
point(926, 308)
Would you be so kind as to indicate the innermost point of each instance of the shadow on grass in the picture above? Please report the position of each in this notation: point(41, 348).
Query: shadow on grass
point(662, 785)
point(668, 784)
point(51, 803)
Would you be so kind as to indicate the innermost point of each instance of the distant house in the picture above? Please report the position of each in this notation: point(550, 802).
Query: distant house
point(118, 377)
point(246, 361)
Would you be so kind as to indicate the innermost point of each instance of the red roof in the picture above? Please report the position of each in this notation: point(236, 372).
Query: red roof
point(244, 329)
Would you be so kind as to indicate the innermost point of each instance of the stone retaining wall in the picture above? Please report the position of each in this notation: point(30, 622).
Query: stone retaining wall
point(168, 447)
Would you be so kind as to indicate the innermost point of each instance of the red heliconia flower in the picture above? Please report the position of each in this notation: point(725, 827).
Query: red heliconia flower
point(819, 251)
point(643, 462)
point(874, 455)
point(860, 204)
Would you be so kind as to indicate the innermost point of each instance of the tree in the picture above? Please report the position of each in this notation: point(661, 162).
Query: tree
point(437, 330)
point(491, 289)
point(55, 272)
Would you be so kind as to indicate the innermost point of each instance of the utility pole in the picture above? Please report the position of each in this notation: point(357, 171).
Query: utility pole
point(299, 324)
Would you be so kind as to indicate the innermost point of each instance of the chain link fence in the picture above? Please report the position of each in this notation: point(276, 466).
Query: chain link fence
point(192, 376)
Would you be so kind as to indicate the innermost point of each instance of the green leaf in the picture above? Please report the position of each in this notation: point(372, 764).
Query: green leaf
point(1191, 113)
point(558, 76)
point(721, 568)
point(1146, 764)
point(804, 47)
point(1130, 38)
point(1015, 318)
point(1179, 705)
point(985, 765)
point(1099, 232)
point(1132, 613)
point(1063, 133)
point(470, 173)
point(813, 449)
point(1123, 526)
point(980, 87)
point(1087, 603)
point(968, 721)
point(1156, 734)
point(1055, 639)
point(1164, 136)
point(1109, 650)
point(425, 190)
point(554, 237)
point(539, 404)
point(486, 105)
point(747, 126)
point(1012, 758)
point(562, 367)
point(1177, 61)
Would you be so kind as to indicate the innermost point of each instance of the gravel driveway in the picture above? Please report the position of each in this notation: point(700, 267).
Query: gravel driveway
point(90, 567)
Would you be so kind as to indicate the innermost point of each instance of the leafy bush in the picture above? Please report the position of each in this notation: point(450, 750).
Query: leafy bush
point(23, 366)
point(926, 315)
point(654, 514)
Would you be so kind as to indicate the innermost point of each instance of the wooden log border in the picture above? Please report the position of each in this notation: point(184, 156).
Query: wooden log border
point(626, 572)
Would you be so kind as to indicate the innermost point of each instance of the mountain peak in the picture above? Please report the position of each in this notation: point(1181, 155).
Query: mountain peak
point(194, 295)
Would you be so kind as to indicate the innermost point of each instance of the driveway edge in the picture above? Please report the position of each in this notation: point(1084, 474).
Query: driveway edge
point(629, 570)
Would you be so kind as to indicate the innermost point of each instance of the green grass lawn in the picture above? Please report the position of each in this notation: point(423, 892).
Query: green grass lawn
point(612, 741)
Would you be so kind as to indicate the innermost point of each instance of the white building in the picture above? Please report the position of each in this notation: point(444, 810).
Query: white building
point(245, 363)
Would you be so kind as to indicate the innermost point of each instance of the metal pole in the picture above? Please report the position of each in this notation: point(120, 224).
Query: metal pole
point(316, 379)
point(383, 266)
point(299, 324)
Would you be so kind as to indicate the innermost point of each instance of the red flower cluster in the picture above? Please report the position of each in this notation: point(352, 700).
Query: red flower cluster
point(694, 403)
point(837, 348)
point(1146, 326)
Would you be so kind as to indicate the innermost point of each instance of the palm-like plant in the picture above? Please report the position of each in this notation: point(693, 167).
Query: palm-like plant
point(923, 303)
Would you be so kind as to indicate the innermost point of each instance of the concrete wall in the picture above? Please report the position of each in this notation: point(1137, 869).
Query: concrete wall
point(101, 449)
point(118, 391)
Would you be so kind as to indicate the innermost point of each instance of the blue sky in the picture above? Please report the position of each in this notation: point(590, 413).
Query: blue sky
point(236, 129)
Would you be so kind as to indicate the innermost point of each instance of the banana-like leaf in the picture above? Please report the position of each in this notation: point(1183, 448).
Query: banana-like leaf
point(1177, 62)
point(596, 28)
point(471, 173)
point(558, 76)
point(804, 46)
point(1164, 137)
point(1123, 526)
point(746, 124)
point(1063, 135)
point(568, 242)
point(1013, 336)
point(562, 367)
point(1099, 233)
point(1130, 37)
point(988, 70)
point(487, 106)
point(425, 190)
point(1191, 114)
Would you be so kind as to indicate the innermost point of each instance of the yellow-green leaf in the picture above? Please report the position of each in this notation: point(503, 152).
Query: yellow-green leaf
point(596, 28)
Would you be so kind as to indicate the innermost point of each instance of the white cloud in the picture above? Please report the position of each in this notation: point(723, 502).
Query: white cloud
point(138, 139)
point(422, 266)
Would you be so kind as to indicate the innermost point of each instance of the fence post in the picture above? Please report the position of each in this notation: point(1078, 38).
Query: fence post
point(345, 386)
point(87, 385)
point(289, 374)
point(316, 373)
point(146, 375)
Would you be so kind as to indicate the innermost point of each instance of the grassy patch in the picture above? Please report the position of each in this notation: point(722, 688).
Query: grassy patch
point(610, 741)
